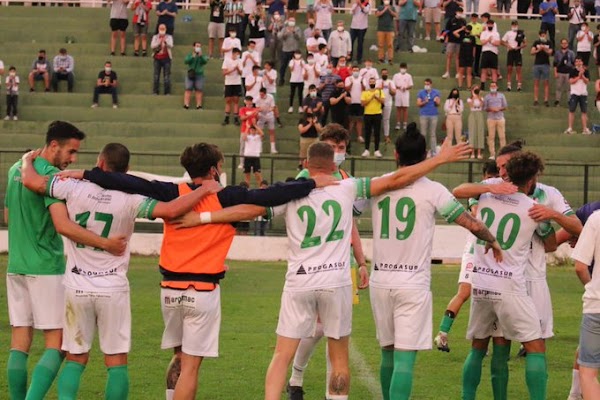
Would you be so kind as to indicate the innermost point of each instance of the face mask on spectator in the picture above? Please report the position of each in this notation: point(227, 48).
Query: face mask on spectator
point(476, 91)
point(403, 70)
point(341, 63)
point(316, 35)
point(197, 49)
point(372, 85)
point(459, 16)
point(276, 17)
point(40, 58)
point(339, 158)
point(328, 71)
point(311, 26)
point(12, 73)
point(355, 74)
point(427, 87)
point(384, 77)
point(490, 27)
point(291, 23)
point(107, 69)
point(162, 32)
point(455, 95)
point(514, 28)
point(493, 90)
point(340, 29)
point(310, 61)
point(313, 94)
point(232, 34)
point(386, 2)
point(543, 39)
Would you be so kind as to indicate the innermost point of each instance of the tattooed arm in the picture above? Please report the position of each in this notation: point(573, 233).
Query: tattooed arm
point(478, 229)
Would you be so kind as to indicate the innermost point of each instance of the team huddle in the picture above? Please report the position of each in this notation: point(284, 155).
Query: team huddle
point(503, 267)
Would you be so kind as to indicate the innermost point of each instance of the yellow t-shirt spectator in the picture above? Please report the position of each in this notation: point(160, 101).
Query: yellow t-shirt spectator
point(373, 107)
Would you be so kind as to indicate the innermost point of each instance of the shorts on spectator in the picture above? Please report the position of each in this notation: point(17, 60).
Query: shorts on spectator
point(38, 76)
point(489, 60)
point(402, 99)
point(452, 48)
point(118, 24)
point(589, 341)
point(465, 62)
point(432, 14)
point(251, 164)
point(356, 110)
point(541, 72)
point(35, 300)
point(268, 120)
point(305, 144)
point(575, 100)
point(233, 90)
point(216, 30)
point(293, 4)
point(514, 58)
point(139, 29)
point(197, 83)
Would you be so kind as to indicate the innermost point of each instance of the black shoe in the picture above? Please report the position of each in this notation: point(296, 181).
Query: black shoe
point(546, 103)
point(295, 392)
point(556, 103)
point(186, 107)
point(225, 121)
point(279, 124)
point(47, 90)
point(123, 54)
point(31, 89)
point(198, 107)
point(144, 54)
point(136, 53)
point(522, 352)
point(236, 121)
point(536, 103)
point(112, 53)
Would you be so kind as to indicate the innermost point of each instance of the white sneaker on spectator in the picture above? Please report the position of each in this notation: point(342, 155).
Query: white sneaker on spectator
point(586, 131)
point(300, 110)
point(378, 154)
point(457, 76)
point(569, 131)
point(241, 166)
point(115, 106)
point(15, 118)
point(95, 105)
point(361, 139)
point(397, 128)
point(446, 75)
point(366, 153)
point(290, 110)
point(427, 37)
point(7, 118)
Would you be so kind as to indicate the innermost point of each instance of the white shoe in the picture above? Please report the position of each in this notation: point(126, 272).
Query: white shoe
point(274, 151)
point(441, 342)
point(446, 75)
point(300, 110)
point(397, 128)
point(115, 106)
point(361, 139)
point(95, 105)
point(569, 131)
point(15, 118)
point(366, 153)
point(290, 110)
point(457, 76)
point(7, 118)
point(586, 131)
point(378, 154)
point(241, 166)
point(427, 37)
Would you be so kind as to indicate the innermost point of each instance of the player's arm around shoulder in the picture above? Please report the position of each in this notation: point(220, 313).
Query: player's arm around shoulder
point(241, 212)
point(186, 203)
point(30, 177)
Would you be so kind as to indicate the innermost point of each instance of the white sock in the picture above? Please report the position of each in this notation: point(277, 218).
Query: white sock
point(301, 359)
point(327, 371)
point(273, 147)
point(337, 397)
point(575, 388)
point(169, 394)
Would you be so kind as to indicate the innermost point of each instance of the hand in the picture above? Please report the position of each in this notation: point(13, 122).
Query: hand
point(496, 249)
point(363, 276)
point(188, 220)
point(541, 213)
point(116, 245)
point(73, 174)
point(31, 155)
point(325, 180)
point(449, 153)
point(503, 188)
point(211, 186)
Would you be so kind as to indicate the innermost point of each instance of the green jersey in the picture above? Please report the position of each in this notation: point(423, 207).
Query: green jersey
point(34, 246)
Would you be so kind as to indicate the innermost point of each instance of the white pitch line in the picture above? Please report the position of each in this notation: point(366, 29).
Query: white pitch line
point(363, 372)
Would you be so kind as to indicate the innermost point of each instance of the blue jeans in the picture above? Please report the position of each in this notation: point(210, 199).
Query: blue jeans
point(589, 341)
point(164, 66)
point(358, 35)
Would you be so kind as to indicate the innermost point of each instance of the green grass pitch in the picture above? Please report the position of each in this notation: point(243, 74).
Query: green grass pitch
point(250, 304)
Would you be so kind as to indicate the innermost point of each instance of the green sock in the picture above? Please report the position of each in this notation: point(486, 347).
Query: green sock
point(472, 373)
point(385, 372)
point(447, 322)
point(44, 373)
point(17, 374)
point(499, 370)
point(536, 375)
point(68, 381)
point(117, 383)
point(401, 385)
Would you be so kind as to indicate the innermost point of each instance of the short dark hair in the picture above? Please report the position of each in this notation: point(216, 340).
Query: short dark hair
point(263, 90)
point(195, 43)
point(403, 65)
point(542, 32)
point(270, 63)
point(236, 50)
point(510, 148)
point(116, 156)
point(322, 46)
point(12, 68)
point(42, 51)
point(107, 62)
point(320, 151)
point(256, 67)
point(524, 166)
point(62, 50)
point(200, 158)
point(62, 131)
point(485, 15)
point(490, 168)
point(428, 80)
point(335, 132)
point(411, 146)
point(490, 22)
point(251, 42)
point(312, 86)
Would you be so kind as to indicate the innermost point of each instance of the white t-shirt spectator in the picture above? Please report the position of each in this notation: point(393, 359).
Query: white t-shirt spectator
point(313, 75)
point(249, 6)
point(368, 73)
point(12, 85)
point(579, 88)
point(585, 45)
point(253, 146)
point(355, 90)
point(118, 9)
point(510, 38)
point(324, 11)
point(257, 81)
point(321, 60)
point(386, 87)
point(271, 87)
point(234, 78)
point(249, 60)
point(265, 106)
point(230, 43)
point(360, 17)
point(296, 70)
point(311, 41)
point(494, 35)
point(578, 15)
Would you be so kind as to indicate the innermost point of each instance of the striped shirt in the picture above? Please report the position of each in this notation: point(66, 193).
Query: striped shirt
point(233, 7)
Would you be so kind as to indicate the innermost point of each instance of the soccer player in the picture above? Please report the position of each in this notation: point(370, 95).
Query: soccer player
point(36, 263)
point(318, 282)
point(403, 227)
point(500, 306)
point(192, 261)
point(96, 285)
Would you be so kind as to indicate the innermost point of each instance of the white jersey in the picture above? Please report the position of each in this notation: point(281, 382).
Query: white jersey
point(296, 70)
point(248, 61)
point(313, 74)
point(271, 87)
point(253, 146)
point(106, 213)
point(506, 216)
point(586, 251)
point(318, 230)
point(230, 43)
point(386, 86)
point(403, 226)
point(367, 73)
point(321, 60)
point(356, 88)
point(257, 81)
point(234, 78)
point(403, 82)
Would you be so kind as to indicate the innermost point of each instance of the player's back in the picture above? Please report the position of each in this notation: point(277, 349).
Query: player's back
point(403, 228)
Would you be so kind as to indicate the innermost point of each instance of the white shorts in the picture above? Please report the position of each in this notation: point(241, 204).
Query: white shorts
point(192, 321)
point(505, 315)
point(35, 300)
point(539, 292)
point(84, 310)
point(300, 310)
point(466, 268)
point(268, 120)
point(402, 98)
point(403, 318)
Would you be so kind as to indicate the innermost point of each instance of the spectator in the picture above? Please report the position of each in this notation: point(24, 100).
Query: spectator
point(324, 11)
point(322, 59)
point(389, 91)
point(403, 82)
point(576, 17)
point(549, 9)
point(12, 94)
point(252, 150)
point(62, 70)
point(248, 116)
point(523, 8)
point(216, 26)
point(339, 44)
point(476, 30)
point(354, 85)
point(495, 104)
point(385, 31)
point(250, 59)
point(166, 11)
point(408, 23)
point(490, 40)
point(466, 54)
point(514, 40)
point(258, 29)
point(292, 7)
point(118, 24)
point(266, 115)
point(231, 42)
point(372, 99)
point(106, 84)
point(597, 88)
point(472, 6)
point(232, 71)
point(342, 69)
point(297, 76)
point(141, 20)
point(312, 73)
point(290, 38)
point(161, 45)
point(270, 83)
point(432, 14)
point(542, 50)
point(308, 32)
point(503, 6)
point(249, 7)
point(313, 42)
point(476, 123)
point(309, 129)
point(253, 83)
point(234, 13)
point(368, 72)
point(454, 26)
point(339, 103)
point(454, 107)
point(358, 27)
point(194, 80)
point(276, 25)
point(579, 77)
point(584, 38)
point(326, 87)
point(40, 70)
point(276, 7)
point(564, 61)
point(428, 101)
point(312, 103)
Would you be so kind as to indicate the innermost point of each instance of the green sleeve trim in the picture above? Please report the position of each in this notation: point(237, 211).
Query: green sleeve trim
point(544, 230)
point(454, 212)
point(146, 208)
point(50, 185)
point(569, 213)
point(303, 174)
point(269, 212)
